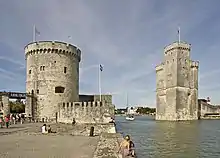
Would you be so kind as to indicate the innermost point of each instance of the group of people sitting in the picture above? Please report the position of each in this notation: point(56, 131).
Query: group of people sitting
point(45, 129)
point(127, 147)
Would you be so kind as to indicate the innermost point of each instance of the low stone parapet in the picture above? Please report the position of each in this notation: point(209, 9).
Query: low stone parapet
point(84, 129)
point(108, 146)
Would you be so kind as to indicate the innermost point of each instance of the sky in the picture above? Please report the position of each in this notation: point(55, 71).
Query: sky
point(127, 37)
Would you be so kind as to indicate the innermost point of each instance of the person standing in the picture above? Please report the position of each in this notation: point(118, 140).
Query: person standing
point(1, 122)
point(7, 121)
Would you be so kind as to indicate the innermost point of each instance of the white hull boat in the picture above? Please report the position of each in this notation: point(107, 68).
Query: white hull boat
point(129, 118)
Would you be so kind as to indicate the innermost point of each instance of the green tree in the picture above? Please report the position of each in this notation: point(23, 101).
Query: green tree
point(17, 106)
point(145, 110)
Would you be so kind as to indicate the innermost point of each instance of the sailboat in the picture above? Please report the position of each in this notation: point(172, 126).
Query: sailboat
point(129, 116)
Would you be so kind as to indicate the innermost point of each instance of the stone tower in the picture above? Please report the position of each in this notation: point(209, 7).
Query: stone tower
point(52, 76)
point(177, 84)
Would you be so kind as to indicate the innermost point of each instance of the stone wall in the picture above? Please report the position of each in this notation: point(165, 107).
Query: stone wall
point(4, 104)
point(206, 108)
point(91, 98)
point(52, 75)
point(84, 129)
point(177, 84)
point(108, 146)
point(85, 112)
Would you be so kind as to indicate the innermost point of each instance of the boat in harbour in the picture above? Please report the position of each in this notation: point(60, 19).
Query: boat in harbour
point(129, 115)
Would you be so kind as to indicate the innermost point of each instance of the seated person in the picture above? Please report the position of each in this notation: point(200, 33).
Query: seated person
point(44, 129)
point(127, 147)
point(50, 130)
point(131, 148)
point(124, 146)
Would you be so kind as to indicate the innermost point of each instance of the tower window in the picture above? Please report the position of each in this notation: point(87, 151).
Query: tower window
point(173, 60)
point(42, 68)
point(55, 61)
point(59, 89)
point(29, 71)
point(64, 69)
point(37, 91)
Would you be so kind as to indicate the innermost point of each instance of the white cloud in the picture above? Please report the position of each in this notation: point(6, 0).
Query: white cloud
point(126, 37)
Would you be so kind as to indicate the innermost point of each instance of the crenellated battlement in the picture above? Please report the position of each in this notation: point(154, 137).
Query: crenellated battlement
point(160, 67)
point(177, 45)
point(81, 104)
point(85, 112)
point(52, 47)
point(195, 64)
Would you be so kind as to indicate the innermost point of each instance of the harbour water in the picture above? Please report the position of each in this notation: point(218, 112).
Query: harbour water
point(156, 139)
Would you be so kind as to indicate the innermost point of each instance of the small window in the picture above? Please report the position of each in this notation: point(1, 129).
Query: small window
point(55, 61)
point(67, 105)
point(42, 68)
point(63, 105)
point(64, 69)
point(167, 62)
point(173, 60)
point(29, 71)
point(59, 89)
point(37, 91)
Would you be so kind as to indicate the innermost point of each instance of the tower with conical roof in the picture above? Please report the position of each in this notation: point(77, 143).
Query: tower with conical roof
point(177, 84)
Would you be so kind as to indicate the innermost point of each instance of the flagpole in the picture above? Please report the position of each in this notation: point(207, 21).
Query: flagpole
point(179, 34)
point(100, 90)
point(34, 35)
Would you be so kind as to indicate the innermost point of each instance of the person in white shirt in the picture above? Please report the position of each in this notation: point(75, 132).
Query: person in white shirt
point(44, 129)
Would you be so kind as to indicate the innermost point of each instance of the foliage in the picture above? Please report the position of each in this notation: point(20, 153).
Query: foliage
point(145, 110)
point(120, 111)
point(17, 107)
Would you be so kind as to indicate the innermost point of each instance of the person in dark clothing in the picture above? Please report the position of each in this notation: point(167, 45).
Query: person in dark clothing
point(74, 121)
point(50, 130)
point(131, 148)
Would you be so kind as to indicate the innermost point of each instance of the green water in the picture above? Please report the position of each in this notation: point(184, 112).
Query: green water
point(156, 139)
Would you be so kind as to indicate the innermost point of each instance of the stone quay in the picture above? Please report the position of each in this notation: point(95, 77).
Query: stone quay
point(69, 141)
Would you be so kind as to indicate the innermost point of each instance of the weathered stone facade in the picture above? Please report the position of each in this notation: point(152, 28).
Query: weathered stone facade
point(4, 104)
point(85, 112)
point(177, 84)
point(207, 109)
point(52, 76)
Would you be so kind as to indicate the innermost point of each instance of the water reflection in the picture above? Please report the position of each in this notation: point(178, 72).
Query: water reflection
point(176, 139)
point(156, 139)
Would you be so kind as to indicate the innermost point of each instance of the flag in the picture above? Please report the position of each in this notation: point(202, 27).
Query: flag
point(101, 67)
point(70, 37)
point(36, 31)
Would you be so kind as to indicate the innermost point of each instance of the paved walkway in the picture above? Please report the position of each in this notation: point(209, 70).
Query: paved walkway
point(28, 142)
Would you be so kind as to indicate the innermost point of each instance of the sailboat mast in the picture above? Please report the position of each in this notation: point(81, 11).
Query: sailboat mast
point(127, 99)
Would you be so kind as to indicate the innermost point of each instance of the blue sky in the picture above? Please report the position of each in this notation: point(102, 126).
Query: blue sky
point(126, 36)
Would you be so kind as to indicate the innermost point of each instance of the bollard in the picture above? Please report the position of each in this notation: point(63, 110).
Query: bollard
point(91, 132)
